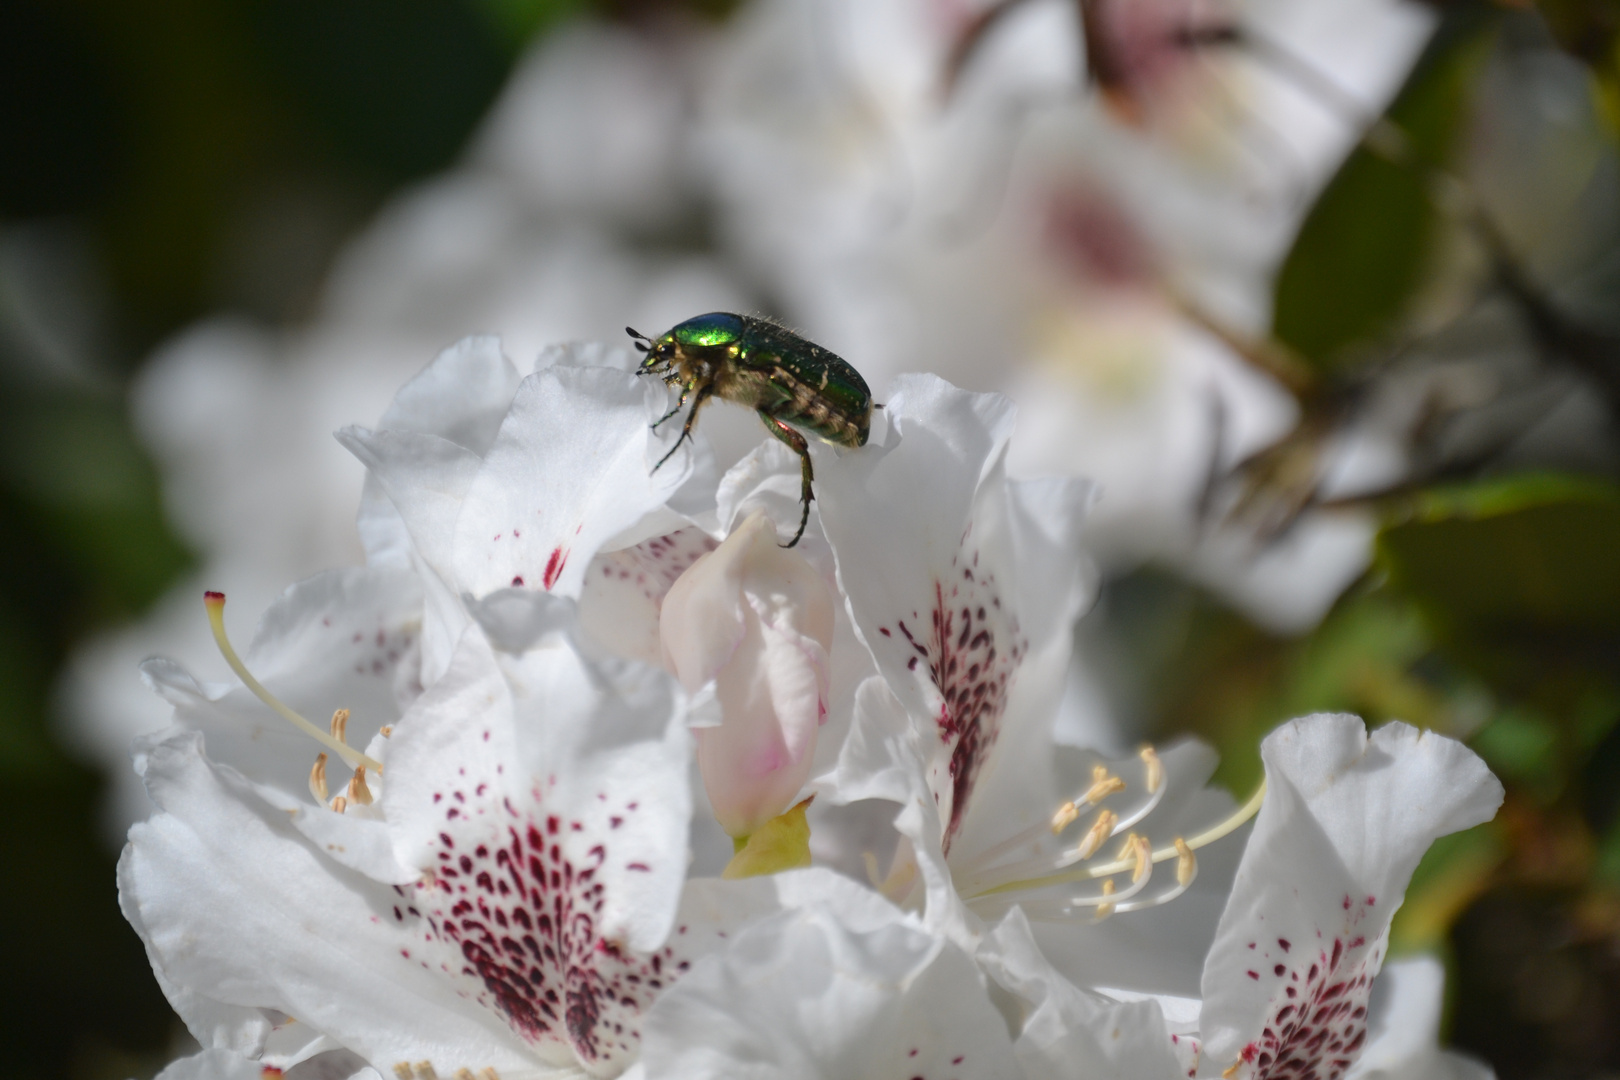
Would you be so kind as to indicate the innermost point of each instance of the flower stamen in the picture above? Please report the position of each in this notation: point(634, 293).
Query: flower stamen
point(317, 779)
point(1181, 850)
point(1064, 817)
point(1102, 786)
point(215, 603)
point(359, 793)
point(1105, 908)
point(1153, 770)
point(1100, 830)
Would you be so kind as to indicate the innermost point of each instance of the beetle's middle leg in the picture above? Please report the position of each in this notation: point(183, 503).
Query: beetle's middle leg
point(796, 441)
point(703, 393)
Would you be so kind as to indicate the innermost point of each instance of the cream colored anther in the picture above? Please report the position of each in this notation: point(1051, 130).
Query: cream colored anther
point(1064, 817)
point(359, 793)
point(339, 804)
point(464, 1074)
point(1186, 863)
point(1153, 768)
point(317, 778)
point(340, 726)
point(1102, 786)
point(1106, 909)
point(424, 1071)
point(1141, 853)
point(1100, 830)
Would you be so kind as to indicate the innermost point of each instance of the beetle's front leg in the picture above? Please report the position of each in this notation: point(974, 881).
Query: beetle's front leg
point(679, 405)
point(806, 474)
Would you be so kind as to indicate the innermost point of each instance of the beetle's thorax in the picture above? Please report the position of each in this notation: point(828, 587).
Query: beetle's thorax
point(693, 368)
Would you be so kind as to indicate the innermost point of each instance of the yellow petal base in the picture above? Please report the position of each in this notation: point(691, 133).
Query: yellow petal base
point(782, 843)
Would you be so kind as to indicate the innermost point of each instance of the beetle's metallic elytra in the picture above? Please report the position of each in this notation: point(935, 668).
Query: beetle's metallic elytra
point(792, 383)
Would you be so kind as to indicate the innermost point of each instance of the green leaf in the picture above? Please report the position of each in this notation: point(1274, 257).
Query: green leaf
point(1518, 580)
point(520, 21)
point(1361, 252)
point(1526, 553)
point(1522, 746)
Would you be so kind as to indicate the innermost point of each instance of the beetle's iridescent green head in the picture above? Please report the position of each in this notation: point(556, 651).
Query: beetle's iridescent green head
point(706, 331)
point(714, 330)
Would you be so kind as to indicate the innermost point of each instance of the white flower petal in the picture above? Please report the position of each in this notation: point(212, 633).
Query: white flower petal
point(1070, 1032)
point(569, 471)
point(1403, 1028)
point(811, 993)
point(1345, 821)
point(237, 905)
point(949, 577)
point(461, 396)
point(624, 592)
point(212, 1065)
point(425, 478)
point(546, 807)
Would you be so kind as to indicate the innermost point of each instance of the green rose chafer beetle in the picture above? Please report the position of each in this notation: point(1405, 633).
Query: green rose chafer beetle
point(792, 383)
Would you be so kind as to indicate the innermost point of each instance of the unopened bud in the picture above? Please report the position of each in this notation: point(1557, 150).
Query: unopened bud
point(758, 620)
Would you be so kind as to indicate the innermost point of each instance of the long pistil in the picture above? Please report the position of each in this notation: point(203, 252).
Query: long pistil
point(215, 603)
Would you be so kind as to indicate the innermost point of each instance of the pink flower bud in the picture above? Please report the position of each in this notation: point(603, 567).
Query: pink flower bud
point(758, 620)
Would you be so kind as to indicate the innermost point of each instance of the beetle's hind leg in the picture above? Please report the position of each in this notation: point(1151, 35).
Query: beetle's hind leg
point(806, 474)
point(703, 393)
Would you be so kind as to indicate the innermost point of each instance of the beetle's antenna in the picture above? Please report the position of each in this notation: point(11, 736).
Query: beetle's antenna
point(643, 343)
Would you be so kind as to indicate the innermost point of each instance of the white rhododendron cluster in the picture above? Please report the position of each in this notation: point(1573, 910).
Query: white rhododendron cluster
point(1098, 245)
point(557, 824)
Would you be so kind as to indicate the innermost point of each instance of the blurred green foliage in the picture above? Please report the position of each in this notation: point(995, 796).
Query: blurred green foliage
point(83, 544)
point(1362, 250)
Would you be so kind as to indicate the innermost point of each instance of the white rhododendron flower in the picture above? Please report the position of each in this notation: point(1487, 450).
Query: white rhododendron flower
point(506, 861)
point(1106, 258)
point(1287, 979)
point(499, 898)
point(562, 666)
